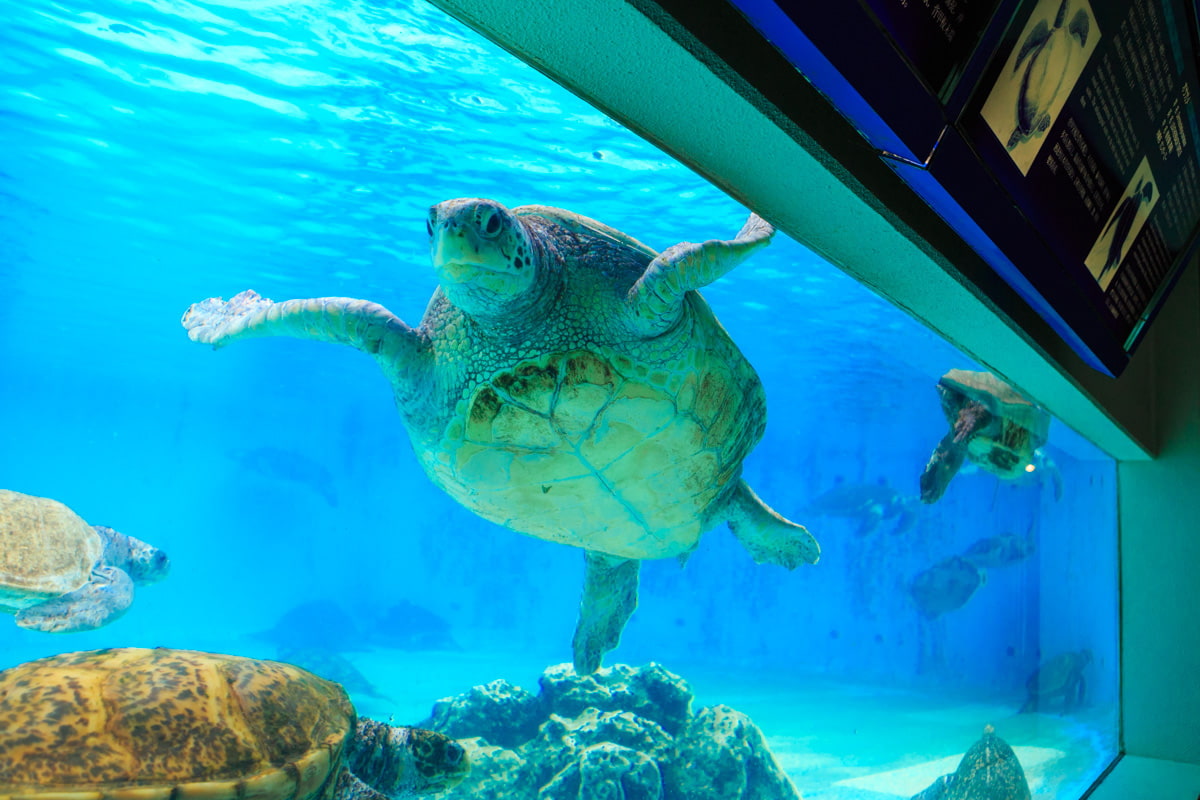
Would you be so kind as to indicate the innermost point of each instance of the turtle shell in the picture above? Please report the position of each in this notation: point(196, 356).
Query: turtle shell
point(990, 769)
point(1020, 426)
point(46, 550)
point(603, 450)
point(137, 724)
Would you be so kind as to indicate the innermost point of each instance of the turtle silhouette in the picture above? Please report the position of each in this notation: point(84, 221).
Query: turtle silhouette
point(1045, 61)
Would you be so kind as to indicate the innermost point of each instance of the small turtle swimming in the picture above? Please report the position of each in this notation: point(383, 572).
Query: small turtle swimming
point(1049, 57)
point(1060, 680)
point(567, 382)
point(868, 503)
point(990, 770)
point(59, 574)
point(991, 423)
point(1003, 550)
point(946, 586)
point(159, 723)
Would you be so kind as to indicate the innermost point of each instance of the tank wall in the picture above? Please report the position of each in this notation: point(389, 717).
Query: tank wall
point(1160, 549)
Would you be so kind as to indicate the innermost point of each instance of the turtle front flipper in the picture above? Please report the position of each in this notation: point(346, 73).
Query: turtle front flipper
point(943, 465)
point(657, 296)
point(609, 598)
point(98, 602)
point(342, 320)
point(767, 536)
point(349, 787)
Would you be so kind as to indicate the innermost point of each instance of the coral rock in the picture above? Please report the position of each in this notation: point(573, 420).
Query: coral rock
point(617, 734)
point(498, 712)
point(651, 692)
point(723, 755)
point(606, 771)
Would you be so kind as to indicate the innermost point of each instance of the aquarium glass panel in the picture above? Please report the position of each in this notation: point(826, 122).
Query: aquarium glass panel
point(404, 508)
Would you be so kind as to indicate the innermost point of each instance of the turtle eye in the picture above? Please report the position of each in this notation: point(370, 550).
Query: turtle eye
point(454, 753)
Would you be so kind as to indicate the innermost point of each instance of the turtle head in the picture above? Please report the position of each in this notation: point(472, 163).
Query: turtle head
point(144, 563)
point(483, 256)
point(399, 761)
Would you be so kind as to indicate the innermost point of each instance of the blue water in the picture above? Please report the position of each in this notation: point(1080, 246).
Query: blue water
point(156, 153)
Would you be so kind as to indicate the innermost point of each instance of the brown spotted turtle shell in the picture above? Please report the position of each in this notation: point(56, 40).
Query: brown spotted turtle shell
point(137, 724)
point(627, 453)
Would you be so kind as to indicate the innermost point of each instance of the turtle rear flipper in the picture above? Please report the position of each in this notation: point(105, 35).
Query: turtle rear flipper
point(609, 598)
point(767, 536)
point(98, 602)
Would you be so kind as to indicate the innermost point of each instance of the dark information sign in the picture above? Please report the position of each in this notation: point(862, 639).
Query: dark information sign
point(1059, 137)
point(1086, 116)
point(937, 37)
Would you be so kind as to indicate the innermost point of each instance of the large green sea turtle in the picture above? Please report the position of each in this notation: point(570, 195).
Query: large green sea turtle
point(137, 724)
point(59, 574)
point(566, 382)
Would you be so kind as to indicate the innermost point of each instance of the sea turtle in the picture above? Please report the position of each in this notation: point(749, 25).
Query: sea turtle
point(990, 770)
point(1049, 58)
point(946, 586)
point(566, 382)
point(991, 423)
point(1061, 678)
point(1002, 550)
point(59, 574)
point(868, 503)
point(137, 723)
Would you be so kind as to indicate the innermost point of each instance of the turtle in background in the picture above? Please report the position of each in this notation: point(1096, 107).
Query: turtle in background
point(178, 723)
point(1003, 550)
point(1047, 58)
point(59, 574)
point(314, 625)
point(991, 424)
point(990, 770)
point(1060, 680)
point(332, 666)
point(946, 586)
point(867, 503)
point(567, 382)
